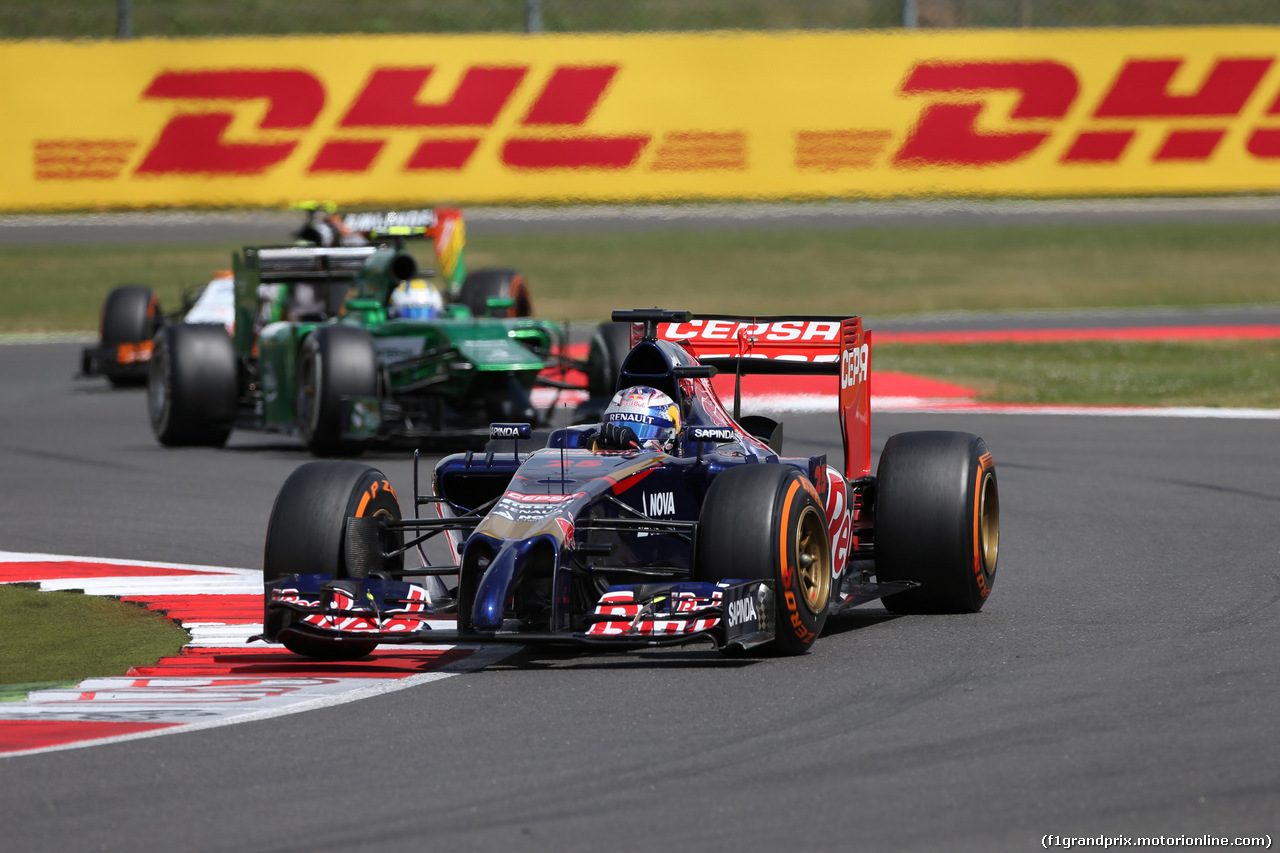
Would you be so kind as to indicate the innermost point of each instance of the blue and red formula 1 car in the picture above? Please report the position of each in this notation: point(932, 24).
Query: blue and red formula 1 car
point(600, 539)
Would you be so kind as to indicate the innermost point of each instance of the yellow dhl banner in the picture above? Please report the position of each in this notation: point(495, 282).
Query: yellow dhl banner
point(546, 118)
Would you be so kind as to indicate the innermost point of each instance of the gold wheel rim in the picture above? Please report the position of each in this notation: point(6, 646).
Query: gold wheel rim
point(989, 523)
point(813, 560)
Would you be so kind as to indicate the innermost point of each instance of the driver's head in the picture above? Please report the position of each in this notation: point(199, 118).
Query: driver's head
point(640, 417)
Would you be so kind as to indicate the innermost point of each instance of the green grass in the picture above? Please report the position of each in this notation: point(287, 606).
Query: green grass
point(61, 289)
point(67, 636)
point(882, 272)
point(1219, 373)
point(97, 18)
point(875, 272)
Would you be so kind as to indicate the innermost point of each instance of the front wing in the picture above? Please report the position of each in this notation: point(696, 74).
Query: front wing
point(729, 613)
point(129, 360)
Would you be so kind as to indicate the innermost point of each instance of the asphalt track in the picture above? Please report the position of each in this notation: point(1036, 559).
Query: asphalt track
point(1122, 680)
point(150, 227)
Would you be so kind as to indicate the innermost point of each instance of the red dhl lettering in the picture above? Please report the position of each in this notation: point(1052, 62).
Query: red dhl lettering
point(1141, 91)
point(193, 143)
point(390, 98)
point(955, 127)
point(947, 133)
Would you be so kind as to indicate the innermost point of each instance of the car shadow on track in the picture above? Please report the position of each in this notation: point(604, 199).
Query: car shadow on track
point(530, 659)
point(687, 657)
point(855, 620)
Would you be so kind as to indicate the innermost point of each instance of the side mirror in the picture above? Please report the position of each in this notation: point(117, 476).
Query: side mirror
point(510, 431)
point(719, 435)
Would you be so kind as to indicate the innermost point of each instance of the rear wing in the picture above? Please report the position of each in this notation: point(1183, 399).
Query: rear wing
point(779, 345)
point(443, 225)
point(306, 263)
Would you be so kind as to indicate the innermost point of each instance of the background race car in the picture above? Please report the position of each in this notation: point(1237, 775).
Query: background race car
point(131, 314)
point(691, 527)
point(347, 345)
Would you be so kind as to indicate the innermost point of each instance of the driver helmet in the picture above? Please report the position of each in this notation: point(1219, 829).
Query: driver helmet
point(651, 415)
point(417, 299)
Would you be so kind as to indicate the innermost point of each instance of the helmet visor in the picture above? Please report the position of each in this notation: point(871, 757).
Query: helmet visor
point(646, 427)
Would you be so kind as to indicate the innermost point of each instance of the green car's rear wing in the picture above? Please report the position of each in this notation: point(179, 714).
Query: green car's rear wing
point(306, 263)
point(372, 269)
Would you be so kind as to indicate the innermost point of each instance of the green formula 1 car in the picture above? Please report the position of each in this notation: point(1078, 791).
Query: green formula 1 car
point(351, 345)
point(131, 314)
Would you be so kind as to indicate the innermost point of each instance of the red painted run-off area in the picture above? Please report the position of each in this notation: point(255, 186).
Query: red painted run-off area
point(16, 735)
point(29, 572)
point(231, 666)
point(226, 609)
point(274, 662)
point(249, 664)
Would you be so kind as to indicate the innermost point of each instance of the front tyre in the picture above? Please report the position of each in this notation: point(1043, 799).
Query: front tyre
point(333, 362)
point(764, 522)
point(130, 315)
point(192, 385)
point(937, 521)
point(306, 534)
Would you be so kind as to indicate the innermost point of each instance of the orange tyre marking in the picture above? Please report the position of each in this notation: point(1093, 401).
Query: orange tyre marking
point(984, 463)
point(782, 544)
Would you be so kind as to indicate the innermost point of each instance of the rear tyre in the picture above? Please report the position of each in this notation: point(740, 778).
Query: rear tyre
point(937, 521)
point(610, 344)
point(192, 386)
point(333, 362)
point(130, 315)
point(764, 522)
point(306, 534)
point(482, 285)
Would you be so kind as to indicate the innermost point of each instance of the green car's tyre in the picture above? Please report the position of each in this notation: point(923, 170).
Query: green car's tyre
point(192, 385)
point(333, 362)
point(130, 315)
point(482, 285)
point(307, 534)
point(764, 522)
point(937, 521)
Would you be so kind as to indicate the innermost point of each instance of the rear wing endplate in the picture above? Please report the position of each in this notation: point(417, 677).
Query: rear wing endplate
point(443, 225)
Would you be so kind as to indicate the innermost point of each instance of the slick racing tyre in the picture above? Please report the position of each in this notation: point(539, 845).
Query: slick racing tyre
point(130, 315)
point(333, 362)
point(762, 522)
point(610, 344)
point(307, 534)
point(937, 521)
point(482, 285)
point(192, 387)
